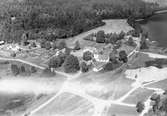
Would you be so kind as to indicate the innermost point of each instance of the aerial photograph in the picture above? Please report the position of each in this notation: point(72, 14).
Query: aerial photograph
point(83, 57)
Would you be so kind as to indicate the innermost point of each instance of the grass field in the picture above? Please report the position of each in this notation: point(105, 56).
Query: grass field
point(68, 105)
point(105, 85)
point(139, 95)
point(121, 111)
point(14, 102)
point(162, 85)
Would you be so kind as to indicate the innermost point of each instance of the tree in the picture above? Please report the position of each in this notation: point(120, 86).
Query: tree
point(71, 64)
point(77, 46)
point(143, 44)
point(109, 66)
point(87, 56)
point(113, 38)
point(113, 58)
point(100, 37)
point(121, 35)
point(22, 69)
point(15, 69)
point(84, 67)
point(54, 62)
point(139, 107)
point(61, 45)
point(33, 69)
point(57, 61)
point(123, 56)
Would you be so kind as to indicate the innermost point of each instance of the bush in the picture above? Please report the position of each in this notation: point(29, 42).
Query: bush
point(100, 37)
point(123, 56)
point(87, 56)
point(84, 67)
point(15, 69)
point(140, 107)
point(71, 64)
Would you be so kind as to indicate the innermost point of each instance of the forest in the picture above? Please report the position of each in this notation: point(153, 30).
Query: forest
point(52, 19)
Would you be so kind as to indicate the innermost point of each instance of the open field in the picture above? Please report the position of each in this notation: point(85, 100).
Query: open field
point(67, 104)
point(121, 111)
point(139, 95)
point(18, 94)
point(161, 84)
point(106, 85)
point(12, 103)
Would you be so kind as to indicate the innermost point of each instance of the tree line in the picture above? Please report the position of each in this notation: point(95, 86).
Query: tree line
point(53, 19)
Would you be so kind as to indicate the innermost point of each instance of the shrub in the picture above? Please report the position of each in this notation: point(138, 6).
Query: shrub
point(87, 56)
point(100, 37)
point(71, 64)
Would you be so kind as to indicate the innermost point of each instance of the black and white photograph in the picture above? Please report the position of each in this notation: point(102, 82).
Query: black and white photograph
point(83, 57)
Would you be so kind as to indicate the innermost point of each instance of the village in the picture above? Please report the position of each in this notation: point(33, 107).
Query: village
point(97, 55)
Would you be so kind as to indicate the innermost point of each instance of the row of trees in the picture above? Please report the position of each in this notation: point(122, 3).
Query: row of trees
point(63, 18)
point(16, 69)
point(101, 37)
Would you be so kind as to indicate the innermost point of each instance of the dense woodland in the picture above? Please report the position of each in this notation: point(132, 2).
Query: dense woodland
point(52, 19)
